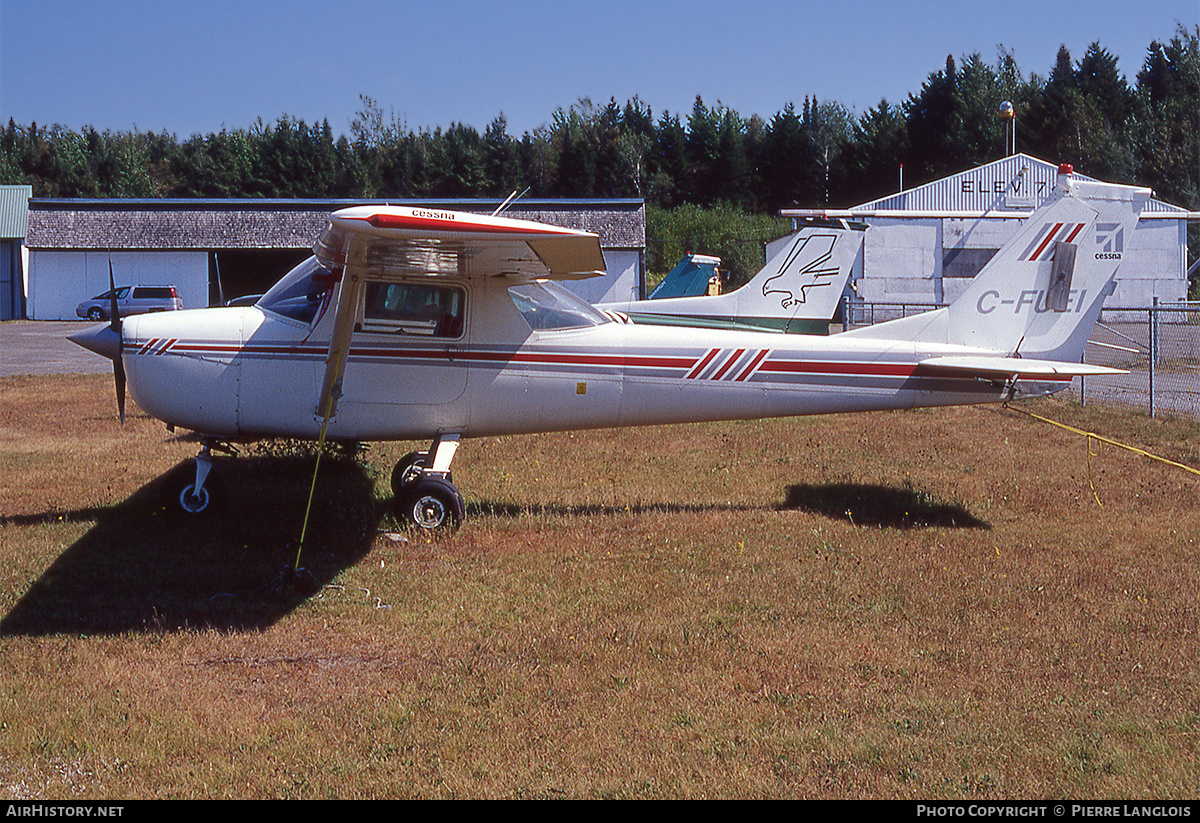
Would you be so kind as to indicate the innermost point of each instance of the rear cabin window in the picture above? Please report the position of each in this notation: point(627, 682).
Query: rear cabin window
point(426, 309)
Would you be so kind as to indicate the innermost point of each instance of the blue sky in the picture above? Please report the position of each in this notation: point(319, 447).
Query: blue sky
point(188, 68)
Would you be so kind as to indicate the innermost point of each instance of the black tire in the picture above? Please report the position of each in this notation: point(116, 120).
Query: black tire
point(408, 469)
point(180, 495)
point(95, 314)
point(431, 504)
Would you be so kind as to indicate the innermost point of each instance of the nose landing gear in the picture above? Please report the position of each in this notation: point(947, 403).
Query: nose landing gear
point(197, 493)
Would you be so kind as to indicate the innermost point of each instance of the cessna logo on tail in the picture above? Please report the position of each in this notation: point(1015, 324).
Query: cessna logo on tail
point(1042, 247)
point(1110, 238)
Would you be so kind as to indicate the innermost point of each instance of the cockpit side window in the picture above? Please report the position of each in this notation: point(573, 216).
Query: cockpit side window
point(419, 308)
point(546, 306)
point(301, 292)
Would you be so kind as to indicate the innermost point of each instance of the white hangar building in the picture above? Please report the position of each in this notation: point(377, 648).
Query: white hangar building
point(925, 244)
point(215, 250)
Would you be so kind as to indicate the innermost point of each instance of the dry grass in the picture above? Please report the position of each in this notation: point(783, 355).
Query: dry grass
point(928, 604)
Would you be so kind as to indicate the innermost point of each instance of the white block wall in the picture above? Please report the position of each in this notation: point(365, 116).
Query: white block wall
point(58, 281)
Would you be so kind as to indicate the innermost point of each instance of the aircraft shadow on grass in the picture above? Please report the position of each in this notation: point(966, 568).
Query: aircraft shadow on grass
point(880, 506)
point(856, 503)
point(491, 508)
point(144, 566)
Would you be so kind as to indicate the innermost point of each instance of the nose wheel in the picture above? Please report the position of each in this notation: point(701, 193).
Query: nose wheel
point(195, 493)
point(425, 496)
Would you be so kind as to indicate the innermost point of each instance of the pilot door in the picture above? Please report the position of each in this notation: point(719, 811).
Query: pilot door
point(406, 349)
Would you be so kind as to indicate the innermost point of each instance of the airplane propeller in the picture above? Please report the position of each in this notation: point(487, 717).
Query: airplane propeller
point(108, 341)
point(114, 323)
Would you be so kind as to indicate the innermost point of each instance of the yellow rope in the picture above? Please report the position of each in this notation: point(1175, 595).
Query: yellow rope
point(326, 413)
point(1091, 484)
point(311, 491)
point(1098, 439)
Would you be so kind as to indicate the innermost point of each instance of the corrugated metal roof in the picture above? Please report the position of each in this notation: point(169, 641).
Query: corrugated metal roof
point(14, 209)
point(1019, 183)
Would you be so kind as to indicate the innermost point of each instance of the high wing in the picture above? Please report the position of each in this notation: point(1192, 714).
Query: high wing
point(414, 241)
point(398, 241)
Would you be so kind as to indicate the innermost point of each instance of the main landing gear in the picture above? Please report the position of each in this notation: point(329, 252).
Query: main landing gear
point(424, 490)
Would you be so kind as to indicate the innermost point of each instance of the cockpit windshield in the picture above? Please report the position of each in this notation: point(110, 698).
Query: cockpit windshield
point(546, 305)
point(301, 291)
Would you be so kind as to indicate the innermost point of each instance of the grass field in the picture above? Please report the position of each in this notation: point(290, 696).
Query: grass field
point(962, 603)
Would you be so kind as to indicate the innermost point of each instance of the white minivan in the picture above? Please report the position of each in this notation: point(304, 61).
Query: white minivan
point(131, 300)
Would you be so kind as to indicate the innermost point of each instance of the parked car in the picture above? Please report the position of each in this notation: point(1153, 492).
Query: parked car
point(131, 300)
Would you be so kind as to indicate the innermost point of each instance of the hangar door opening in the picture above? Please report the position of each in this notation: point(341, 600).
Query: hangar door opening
point(234, 273)
point(12, 290)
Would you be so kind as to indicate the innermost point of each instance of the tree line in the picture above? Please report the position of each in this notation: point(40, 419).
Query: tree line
point(818, 153)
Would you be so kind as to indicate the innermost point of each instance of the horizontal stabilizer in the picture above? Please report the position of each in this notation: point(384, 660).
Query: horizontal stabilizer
point(1005, 368)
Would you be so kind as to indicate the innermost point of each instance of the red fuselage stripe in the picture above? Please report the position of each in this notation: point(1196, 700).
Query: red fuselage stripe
point(703, 363)
point(691, 365)
point(721, 371)
point(753, 365)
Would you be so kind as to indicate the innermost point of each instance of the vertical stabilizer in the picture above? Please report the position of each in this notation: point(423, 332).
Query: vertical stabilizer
point(798, 290)
point(1040, 296)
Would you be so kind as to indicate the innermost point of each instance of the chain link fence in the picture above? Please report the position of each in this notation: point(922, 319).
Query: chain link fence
point(1158, 345)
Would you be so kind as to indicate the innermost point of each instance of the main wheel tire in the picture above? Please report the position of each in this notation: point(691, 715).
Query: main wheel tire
point(431, 504)
point(407, 470)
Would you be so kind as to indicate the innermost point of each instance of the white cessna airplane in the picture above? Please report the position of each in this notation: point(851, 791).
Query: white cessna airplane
point(798, 290)
point(412, 324)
